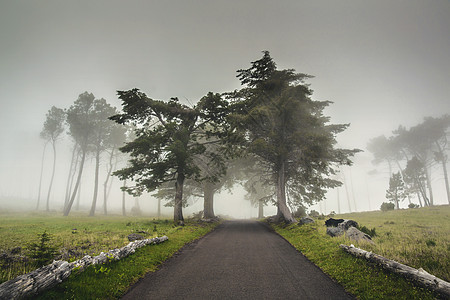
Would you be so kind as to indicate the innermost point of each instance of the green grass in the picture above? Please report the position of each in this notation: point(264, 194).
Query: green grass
point(365, 280)
point(419, 238)
point(92, 236)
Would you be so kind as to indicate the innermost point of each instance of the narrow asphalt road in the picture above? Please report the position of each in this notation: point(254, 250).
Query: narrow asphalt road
point(239, 260)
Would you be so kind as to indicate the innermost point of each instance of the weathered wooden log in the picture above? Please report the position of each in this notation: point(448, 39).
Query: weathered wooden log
point(419, 276)
point(50, 275)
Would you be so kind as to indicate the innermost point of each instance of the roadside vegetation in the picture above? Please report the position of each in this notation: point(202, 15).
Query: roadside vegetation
point(416, 237)
point(74, 237)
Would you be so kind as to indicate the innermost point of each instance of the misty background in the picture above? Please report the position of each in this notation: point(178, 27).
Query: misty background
point(382, 63)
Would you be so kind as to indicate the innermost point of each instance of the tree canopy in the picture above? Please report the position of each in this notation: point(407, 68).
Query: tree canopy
point(287, 131)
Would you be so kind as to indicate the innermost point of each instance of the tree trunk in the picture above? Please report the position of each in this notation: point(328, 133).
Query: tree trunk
point(159, 208)
point(124, 212)
point(338, 201)
point(40, 178)
point(283, 213)
point(346, 192)
point(403, 178)
point(94, 198)
point(430, 189)
point(47, 208)
point(260, 209)
point(77, 206)
point(80, 172)
point(70, 176)
point(105, 184)
point(208, 200)
point(353, 190)
point(420, 201)
point(443, 160)
point(178, 207)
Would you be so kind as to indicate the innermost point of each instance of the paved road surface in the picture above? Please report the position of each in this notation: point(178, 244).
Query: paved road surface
point(239, 260)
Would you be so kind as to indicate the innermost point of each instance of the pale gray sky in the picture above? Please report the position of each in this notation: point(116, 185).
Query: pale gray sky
point(382, 63)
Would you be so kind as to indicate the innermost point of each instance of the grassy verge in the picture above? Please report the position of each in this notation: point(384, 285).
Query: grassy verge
point(358, 277)
point(76, 236)
point(419, 238)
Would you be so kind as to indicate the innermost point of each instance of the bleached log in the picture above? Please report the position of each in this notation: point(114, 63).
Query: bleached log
point(419, 276)
point(50, 275)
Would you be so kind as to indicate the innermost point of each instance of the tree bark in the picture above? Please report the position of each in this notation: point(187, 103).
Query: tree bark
point(159, 208)
point(208, 200)
point(47, 207)
point(80, 172)
point(178, 207)
point(94, 198)
point(283, 213)
point(40, 177)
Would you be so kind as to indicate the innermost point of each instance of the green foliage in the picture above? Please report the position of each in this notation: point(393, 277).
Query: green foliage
point(372, 232)
point(314, 214)
point(385, 206)
point(412, 205)
point(396, 192)
point(43, 251)
point(285, 129)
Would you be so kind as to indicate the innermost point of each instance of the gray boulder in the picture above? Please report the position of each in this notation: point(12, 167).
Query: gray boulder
point(305, 220)
point(357, 235)
point(347, 224)
point(335, 231)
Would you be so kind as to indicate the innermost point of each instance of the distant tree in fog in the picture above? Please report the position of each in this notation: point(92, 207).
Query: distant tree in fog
point(80, 121)
point(287, 131)
point(53, 128)
point(396, 192)
point(169, 135)
point(100, 139)
point(415, 177)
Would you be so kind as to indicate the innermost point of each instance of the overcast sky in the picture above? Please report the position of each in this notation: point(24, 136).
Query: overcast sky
point(382, 63)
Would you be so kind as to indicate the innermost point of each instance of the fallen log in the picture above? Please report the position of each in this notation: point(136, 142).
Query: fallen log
point(419, 276)
point(44, 278)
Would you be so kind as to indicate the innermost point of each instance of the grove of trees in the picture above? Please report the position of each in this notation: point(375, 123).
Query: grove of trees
point(418, 153)
point(270, 136)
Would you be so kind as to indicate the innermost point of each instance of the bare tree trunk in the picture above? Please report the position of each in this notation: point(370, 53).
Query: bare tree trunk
point(159, 208)
point(443, 160)
point(346, 192)
point(53, 176)
point(338, 201)
point(72, 198)
point(260, 209)
point(208, 200)
point(403, 178)
point(178, 207)
point(430, 189)
point(77, 205)
point(105, 184)
point(283, 213)
point(124, 211)
point(353, 190)
point(70, 176)
point(94, 198)
point(420, 201)
point(40, 178)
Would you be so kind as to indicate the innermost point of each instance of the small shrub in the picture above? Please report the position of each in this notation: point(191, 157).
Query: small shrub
point(430, 243)
point(314, 214)
point(368, 231)
point(300, 212)
point(412, 205)
point(43, 252)
point(386, 206)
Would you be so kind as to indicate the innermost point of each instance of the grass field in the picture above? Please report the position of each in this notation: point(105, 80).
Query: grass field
point(417, 237)
point(77, 235)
